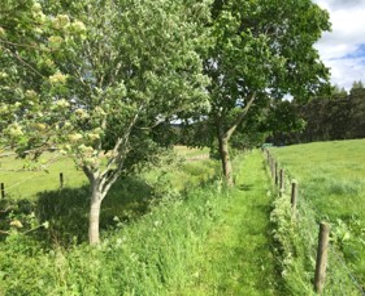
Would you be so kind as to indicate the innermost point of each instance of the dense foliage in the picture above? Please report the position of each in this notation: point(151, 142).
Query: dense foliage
point(339, 117)
point(261, 50)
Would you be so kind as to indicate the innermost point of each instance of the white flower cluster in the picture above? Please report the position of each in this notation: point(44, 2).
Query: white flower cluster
point(55, 42)
point(62, 103)
point(58, 77)
point(15, 130)
point(61, 21)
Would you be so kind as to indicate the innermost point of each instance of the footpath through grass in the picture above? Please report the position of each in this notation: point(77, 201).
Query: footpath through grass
point(237, 259)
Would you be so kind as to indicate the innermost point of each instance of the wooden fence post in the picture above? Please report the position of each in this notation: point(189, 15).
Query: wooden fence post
point(294, 195)
point(282, 180)
point(2, 190)
point(276, 177)
point(61, 180)
point(321, 264)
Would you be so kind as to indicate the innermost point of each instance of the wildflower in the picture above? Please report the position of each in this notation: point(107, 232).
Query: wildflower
point(36, 8)
point(60, 21)
point(78, 27)
point(3, 74)
point(16, 223)
point(58, 77)
point(81, 113)
point(55, 42)
point(15, 130)
point(62, 103)
point(75, 137)
point(30, 94)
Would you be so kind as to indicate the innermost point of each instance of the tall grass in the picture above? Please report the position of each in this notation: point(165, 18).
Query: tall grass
point(153, 226)
point(151, 256)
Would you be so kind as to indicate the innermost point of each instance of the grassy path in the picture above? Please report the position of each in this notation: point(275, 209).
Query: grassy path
point(237, 259)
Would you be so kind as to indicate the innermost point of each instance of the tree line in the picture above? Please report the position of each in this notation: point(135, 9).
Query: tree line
point(339, 116)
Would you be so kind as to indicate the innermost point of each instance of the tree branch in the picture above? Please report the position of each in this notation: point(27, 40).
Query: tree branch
point(18, 44)
point(23, 62)
point(118, 154)
point(240, 117)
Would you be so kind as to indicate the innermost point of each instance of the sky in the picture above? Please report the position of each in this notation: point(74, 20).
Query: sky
point(343, 49)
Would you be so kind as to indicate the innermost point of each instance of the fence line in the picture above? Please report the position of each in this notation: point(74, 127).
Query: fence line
point(21, 182)
point(33, 175)
point(274, 169)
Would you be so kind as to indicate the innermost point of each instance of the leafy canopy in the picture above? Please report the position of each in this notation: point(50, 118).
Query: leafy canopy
point(100, 74)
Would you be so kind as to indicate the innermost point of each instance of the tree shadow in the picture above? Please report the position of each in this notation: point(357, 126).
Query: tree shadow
point(67, 210)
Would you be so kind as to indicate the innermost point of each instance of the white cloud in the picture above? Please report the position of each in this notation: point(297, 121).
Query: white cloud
point(340, 49)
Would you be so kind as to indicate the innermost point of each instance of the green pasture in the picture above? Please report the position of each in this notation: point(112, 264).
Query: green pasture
point(191, 152)
point(331, 178)
point(22, 183)
point(331, 175)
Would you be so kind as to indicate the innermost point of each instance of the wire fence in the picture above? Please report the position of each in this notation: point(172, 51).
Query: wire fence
point(308, 216)
point(14, 189)
point(11, 190)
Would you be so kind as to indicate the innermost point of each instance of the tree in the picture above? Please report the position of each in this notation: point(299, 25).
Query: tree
point(119, 69)
point(338, 93)
point(261, 50)
point(283, 120)
point(357, 86)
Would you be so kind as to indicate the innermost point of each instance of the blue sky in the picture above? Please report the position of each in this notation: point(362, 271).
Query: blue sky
point(343, 49)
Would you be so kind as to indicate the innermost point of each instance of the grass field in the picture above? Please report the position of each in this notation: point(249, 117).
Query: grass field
point(20, 183)
point(191, 152)
point(331, 176)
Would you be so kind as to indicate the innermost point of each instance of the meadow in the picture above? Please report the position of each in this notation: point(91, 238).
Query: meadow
point(331, 178)
point(23, 182)
point(171, 229)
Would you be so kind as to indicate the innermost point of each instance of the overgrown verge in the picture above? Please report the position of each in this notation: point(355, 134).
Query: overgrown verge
point(296, 234)
point(151, 255)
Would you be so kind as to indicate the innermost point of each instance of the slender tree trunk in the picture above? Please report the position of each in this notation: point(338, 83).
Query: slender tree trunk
point(226, 160)
point(94, 216)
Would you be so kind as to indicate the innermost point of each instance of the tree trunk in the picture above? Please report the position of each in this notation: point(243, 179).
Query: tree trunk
point(94, 216)
point(226, 161)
